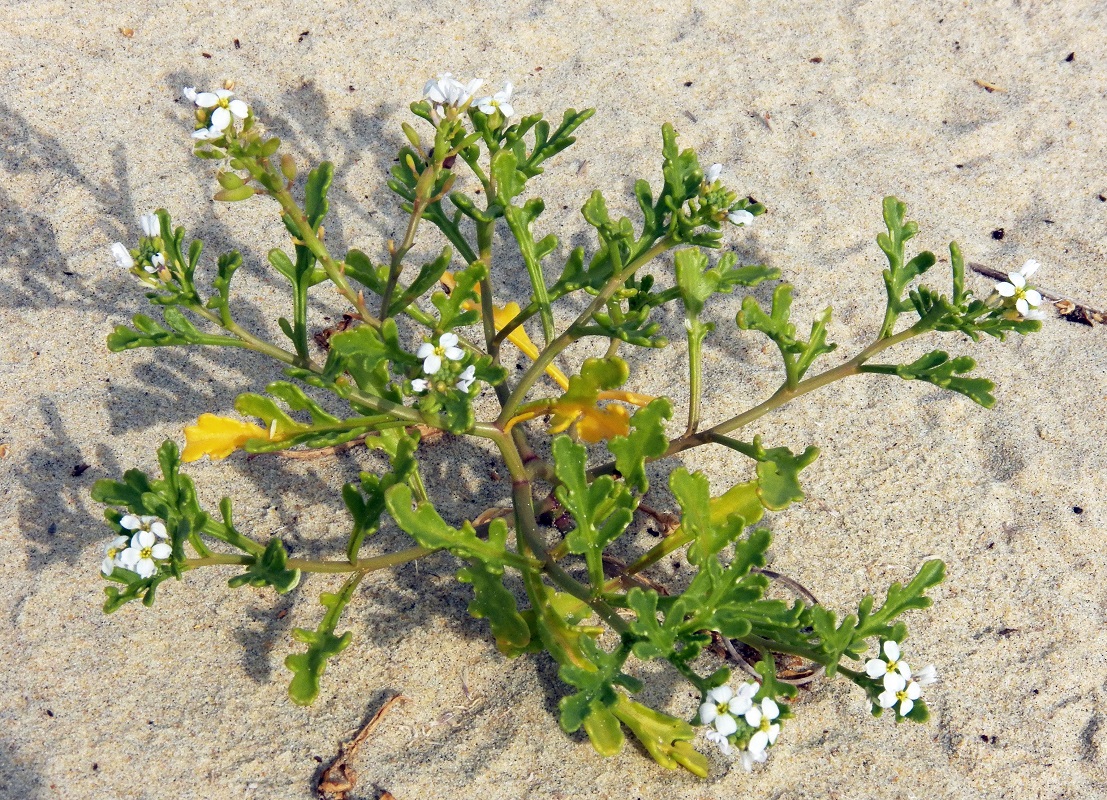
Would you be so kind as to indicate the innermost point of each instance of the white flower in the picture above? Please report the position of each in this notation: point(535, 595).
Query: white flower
point(466, 378)
point(419, 385)
point(150, 224)
point(1015, 286)
point(740, 216)
point(206, 134)
point(715, 710)
point(926, 676)
point(139, 557)
point(152, 524)
point(157, 261)
point(432, 356)
point(122, 256)
point(500, 101)
point(905, 696)
point(224, 106)
point(720, 740)
point(749, 759)
point(761, 717)
point(713, 173)
point(723, 704)
point(446, 90)
point(190, 94)
point(894, 672)
point(111, 554)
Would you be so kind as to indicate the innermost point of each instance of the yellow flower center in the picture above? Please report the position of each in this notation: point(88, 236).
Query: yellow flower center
point(147, 552)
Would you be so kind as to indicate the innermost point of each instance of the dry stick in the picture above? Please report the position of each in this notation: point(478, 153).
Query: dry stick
point(339, 778)
point(800, 678)
point(1066, 306)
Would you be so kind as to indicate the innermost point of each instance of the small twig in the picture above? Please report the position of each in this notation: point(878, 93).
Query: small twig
point(669, 522)
point(789, 676)
point(618, 569)
point(988, 87)
point(1068, 308)
point(339, 778)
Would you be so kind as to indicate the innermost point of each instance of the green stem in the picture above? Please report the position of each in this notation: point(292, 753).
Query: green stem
point(695, 374)
point(785, 395)
point(307, 565)
point(418, 206)
point(526, 526)
point(570, 335)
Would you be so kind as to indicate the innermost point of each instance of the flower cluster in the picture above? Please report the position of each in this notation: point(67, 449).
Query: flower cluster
point(139, 552)
point(737, 717)
point(148, 255)
point(224, 110)
point(433, 355)
point(736, 216)
point(446, 91)
point(1020, 296)
point(900, 689)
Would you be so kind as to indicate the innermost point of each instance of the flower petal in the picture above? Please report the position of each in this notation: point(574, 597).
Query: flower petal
point(886, 699)
point(217, 437)
point(894, 682)
point(740, 217)
point(720, 694)
point(131, 522)
point(239, 108)
point(220, 119)
point(145, 568)
point(906, 706)
point(432, 364)
point(913, 691)
point(708, 712)
point(425, 349)
point(758, 742)
point(161, 550)
point(769, 708)
point(1022, 306)
point(1029, 268)
point(891, 650)
point(1005, 289)
point(725, 724)
point(157, 527)
point(1033, 297)
point(753, 717)
point(454, 353)
point(122, 256)
point(875, 667)
point(207, 100)
point(713, 173)
point(774, 731)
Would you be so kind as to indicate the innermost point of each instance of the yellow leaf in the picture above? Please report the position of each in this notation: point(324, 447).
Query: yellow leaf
point(501, 316)
point(218, 437)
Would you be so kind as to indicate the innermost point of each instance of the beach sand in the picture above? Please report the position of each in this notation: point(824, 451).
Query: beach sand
point(986, 118)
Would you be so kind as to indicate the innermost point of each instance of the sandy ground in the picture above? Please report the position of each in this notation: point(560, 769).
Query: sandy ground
point(818, 110)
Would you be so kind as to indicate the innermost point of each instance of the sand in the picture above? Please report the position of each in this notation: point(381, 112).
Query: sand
point(816, 109)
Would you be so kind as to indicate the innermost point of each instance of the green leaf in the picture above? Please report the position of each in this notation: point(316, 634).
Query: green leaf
point(450, 309)
point(367, 352)
point(315, 193)
point(647, 440)
point(429, 275)
point(270, 569)
point(361, 269)
point(665, 738)
point(900, 272)
point(427, 528)
point(323, 644)
point(693, 493)
point(508, 180)
point(602, 510)
point(148, 333)
point(367, 511)
point(797, 354)
point(547, 147)
point(938, 368)
point(519, 221)
point(492, 600)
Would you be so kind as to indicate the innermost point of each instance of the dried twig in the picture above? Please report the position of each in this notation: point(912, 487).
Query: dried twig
point(339, 778)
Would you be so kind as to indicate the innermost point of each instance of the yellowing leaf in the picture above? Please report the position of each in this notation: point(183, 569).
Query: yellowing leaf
point(501, 316)
point(218, 437)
